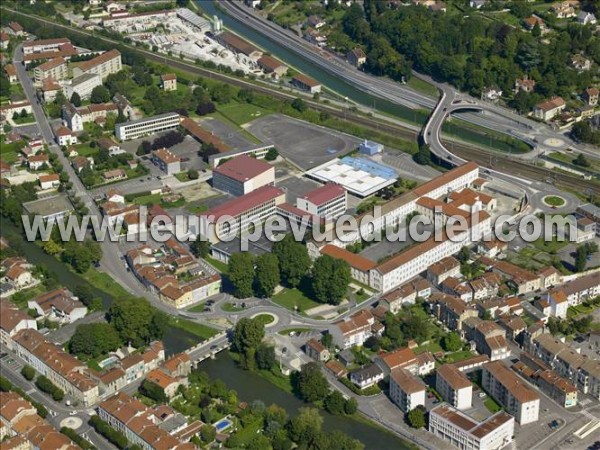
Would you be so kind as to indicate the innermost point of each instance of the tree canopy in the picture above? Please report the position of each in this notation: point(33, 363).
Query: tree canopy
point(94, 339)
point(330, 279)
point(294, 261)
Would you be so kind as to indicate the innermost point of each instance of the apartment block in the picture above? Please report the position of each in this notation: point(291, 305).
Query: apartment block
point(511, 391)
point(489, 338)
point(354, 330)
point(55, 68)
point(242, 175)
point(102, 65)
point(146, 126)
point(454, 386)
point(406, 390)
point(167, 161)
point(462, 431)
point(83, 85)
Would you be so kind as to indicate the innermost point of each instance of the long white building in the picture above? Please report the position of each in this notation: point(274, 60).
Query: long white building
point(147, 126)
point(103, 65)
point(83, 85)
point(454, 386)
point(462, 431)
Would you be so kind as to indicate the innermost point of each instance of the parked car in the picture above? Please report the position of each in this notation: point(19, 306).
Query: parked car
point(482, 395)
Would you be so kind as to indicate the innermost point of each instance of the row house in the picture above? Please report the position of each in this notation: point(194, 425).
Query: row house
point(13, 320)
point(317, 351)
point(514, 325)
point(581, 288)
point(497, 307)
point(58, 304)
point(444, 268)
point(393, 301)
point(492, 248)
point(75, 118)
point(451, 311)
point(489, 338)
point(522, 280)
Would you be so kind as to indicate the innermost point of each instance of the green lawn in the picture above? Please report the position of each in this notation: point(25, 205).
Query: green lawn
point(422, 86)
point(86, 150)
point(220, 266)
point(22, 297)
point(182, 176)
point(458, 356)
point(202, 331)
point(265, 319)
point(10, 152)
point(294, 298)
point(491, 405)
point(579, 309)
point(104, 282)
point(552, 246)
point(23, 120)
point(554, 200)
point(432, 347)
point(229, 307)
point(242, 113)
point(196, 209)
point(145, 200)
point(197, 308)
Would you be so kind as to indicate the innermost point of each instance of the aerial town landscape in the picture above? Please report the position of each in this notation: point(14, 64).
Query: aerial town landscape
point(280, 224)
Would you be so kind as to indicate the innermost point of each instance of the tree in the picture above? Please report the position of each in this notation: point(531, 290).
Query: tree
point(416, 418)
point(293, 258)
point(208, 433)
point(451, 342)
point(464, 254)
point(334, 403)
point(193, 174)
point(351, 406)
point(28, 372)
point(247, 336)
point(75, 99)
point(144, 148)
point(581, 160)
point(205, 108)
point(100, 95)
point(94, 339)
point(265, 357)
point(310, 383)
point(305, 427)
point(423, 156)
point(330, 279)
point(299, 105)
point(327, 340)
point(153, 391)
point(136, 321)
point(200, 248)
point(267, 274)
point(241, 274)
point(272, 154)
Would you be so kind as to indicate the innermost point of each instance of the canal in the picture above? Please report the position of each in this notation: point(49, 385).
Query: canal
point(251, 386)
point(293, 59)
point(175, 340)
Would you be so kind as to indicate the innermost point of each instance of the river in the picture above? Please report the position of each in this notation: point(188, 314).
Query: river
point(250, 386)
point(294, 60)
point(175, 340)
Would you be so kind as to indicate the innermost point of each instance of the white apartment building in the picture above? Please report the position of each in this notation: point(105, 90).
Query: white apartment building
point(454, 386)
point(494, 433)
point(83, 85)
point(406, 390)
point(511, 391)
point(55, 68)
point(103, 65)
point(147, 126)
point(328, 201)
point(353, 330)
point(234, 217)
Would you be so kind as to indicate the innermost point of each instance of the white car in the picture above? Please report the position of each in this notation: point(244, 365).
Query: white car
point(482, 395)
point(73, 413)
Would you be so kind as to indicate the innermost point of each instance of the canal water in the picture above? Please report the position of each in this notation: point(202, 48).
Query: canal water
point(250, 386)
point(175, 340)
point(293, 59)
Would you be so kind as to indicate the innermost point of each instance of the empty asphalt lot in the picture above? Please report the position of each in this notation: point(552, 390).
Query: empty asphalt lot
point(305, 144)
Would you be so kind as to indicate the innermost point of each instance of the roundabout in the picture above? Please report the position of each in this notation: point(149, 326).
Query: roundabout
point(71, 422)
point(554, 201)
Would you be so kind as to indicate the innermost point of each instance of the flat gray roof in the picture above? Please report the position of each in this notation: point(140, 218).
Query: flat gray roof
point(49, 206)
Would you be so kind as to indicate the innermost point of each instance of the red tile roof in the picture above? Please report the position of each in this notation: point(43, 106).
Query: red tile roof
point(358, 262)
point(242, 204)
point(243, 168)
point(100, 59)
point(324, 194)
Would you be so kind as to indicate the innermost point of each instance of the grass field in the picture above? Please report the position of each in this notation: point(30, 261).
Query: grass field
point(265, 319)
point(287, 331)
point(491, 405)
point(86, 150)
point(422, 86)
point(9, 152)
point(197, 308)
point(432, 347)
point(220, 266)
point(229, 307)
point(23, 120)
point(574, 311)
point(294, 298)
point(105, 283)
point(549, 246)
point(202, 331)
point(458, 356)
point(554, 200)
point(242, 113)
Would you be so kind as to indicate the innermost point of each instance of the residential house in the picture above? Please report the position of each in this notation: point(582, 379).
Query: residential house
point(316, 350)
point(394, 300)
point(514, 326)
point(58, 304)
point(563, 10)
point(531, 22)
point(492, 248)
point(37, 162)
point(522, 280)
point(178, 365)
point(586, 18)
point(451, 311)
point(114, 175)
point(444, 268)
point(18, 272)
point(405, 358)
point(65, 137)
point(580, 63)
point(357, 57)
point(168, 82)
point(549, 276)
point(525, 84)
point(489, 338)
point(11, 73)
point(167, 383)
point(549, 109)
point(81, 162)
point(51, 181)
point(454, 287)
point(354, 330)
point(13, 320)
point(367, 376)
point(590, 96)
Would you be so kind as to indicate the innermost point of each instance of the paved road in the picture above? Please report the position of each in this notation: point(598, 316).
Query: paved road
point(58, 411)
point(389, 89)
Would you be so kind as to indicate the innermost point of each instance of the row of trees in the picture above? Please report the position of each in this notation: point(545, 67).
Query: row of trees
point(583, 253)
point(167, 140)
point(288, 263)
point(45, 385)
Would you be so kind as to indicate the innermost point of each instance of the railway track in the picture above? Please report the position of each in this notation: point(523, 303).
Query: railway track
point(468, 152)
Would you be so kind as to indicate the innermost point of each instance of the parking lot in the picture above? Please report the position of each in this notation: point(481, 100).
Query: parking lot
point(304, 144)
point(229, 135)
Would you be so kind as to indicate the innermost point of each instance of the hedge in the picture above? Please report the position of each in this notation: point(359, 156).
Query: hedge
point(79, 440)
point(6, 386)
point(113, 436)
